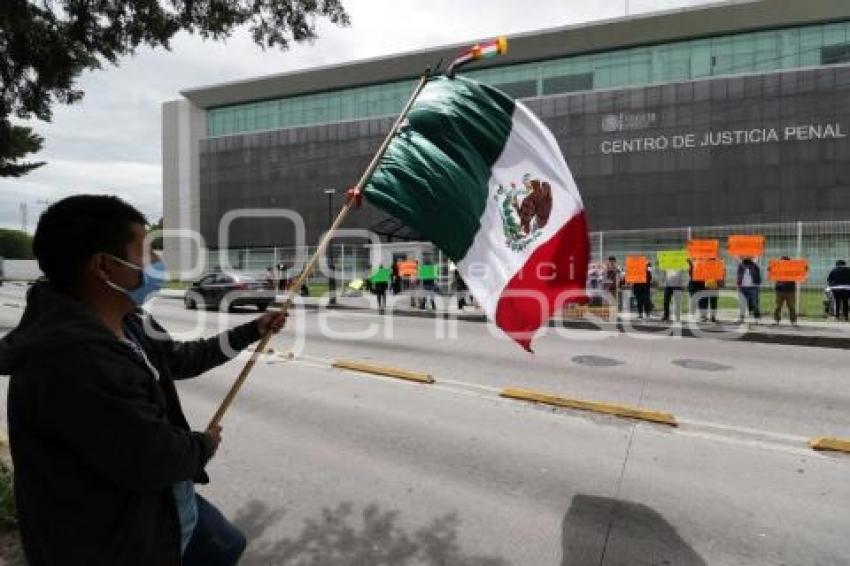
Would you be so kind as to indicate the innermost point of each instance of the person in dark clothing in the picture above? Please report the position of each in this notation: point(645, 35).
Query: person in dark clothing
point(461, 290)
point(838, 281)
point(786, 294)
point(380, 289)
point(698, 302)
point(105, 461)
point(749, 282)
point(396, 279)
point(642, 293)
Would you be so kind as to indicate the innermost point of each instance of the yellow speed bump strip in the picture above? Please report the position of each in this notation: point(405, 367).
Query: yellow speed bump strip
point(830, 443)
point(399, 373)
point(595, 406)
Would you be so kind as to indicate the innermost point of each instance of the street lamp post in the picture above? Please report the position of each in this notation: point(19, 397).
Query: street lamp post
point(331, 275)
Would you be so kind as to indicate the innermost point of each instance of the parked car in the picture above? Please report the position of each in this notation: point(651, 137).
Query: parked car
point(228, 289)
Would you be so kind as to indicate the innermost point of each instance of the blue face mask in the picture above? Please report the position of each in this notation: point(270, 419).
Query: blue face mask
point(153, 277)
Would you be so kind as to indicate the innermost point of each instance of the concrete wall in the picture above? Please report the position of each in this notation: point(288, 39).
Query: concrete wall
point(183, 126)
point(737, 183)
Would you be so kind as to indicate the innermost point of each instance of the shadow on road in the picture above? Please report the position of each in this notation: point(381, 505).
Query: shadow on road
point(340, 537)
point(639, 536)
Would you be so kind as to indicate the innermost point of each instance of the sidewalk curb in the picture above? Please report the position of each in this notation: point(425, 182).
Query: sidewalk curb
point(756, 336)
point(386, 371)
point(614, 409)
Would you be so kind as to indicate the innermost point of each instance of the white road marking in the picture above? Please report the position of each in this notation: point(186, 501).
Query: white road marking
point(691, 428)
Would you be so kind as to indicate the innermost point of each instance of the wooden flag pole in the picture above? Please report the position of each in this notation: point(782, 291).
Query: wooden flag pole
point(314, 259)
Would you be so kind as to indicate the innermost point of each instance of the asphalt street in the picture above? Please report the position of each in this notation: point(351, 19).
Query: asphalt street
point(327, 466)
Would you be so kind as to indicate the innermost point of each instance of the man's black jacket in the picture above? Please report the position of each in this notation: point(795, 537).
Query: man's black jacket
point(839, 277)
point(96, 442)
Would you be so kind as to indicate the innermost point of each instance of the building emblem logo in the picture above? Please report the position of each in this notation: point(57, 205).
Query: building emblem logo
point(524, 210)
point(623, 122)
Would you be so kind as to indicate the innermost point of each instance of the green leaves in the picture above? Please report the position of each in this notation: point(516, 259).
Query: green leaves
point(15, 143)
point(15, 244)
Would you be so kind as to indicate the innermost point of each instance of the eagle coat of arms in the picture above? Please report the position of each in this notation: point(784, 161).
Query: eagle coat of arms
point(525, 211)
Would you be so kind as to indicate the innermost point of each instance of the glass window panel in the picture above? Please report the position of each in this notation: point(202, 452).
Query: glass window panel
point(519, 89)
point(619, 75)
point(790, 46)
point(721, 56)
point(835, 54)
point(361, 103)
point(601, 71)
point(568, 83)
point(700, 59)
point(347, 105)
point(334, 107)
point(640, 66)
point(811, 41)
point(834, 34)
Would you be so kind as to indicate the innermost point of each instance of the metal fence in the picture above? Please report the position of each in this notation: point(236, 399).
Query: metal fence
point(821, 243)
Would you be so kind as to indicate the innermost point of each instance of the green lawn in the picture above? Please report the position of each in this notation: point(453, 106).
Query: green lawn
point(811, 302)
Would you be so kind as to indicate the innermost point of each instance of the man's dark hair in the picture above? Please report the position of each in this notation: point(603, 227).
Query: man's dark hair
point(72, 230)
point(840, 263)
point(612, 258)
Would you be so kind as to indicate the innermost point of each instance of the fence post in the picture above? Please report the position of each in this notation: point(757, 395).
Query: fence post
point(799, 255)
point(342, 264)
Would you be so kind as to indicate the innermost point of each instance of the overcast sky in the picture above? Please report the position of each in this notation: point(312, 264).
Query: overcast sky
point(110, 142)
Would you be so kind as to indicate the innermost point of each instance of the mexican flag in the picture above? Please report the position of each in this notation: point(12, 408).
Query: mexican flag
point(479, 175)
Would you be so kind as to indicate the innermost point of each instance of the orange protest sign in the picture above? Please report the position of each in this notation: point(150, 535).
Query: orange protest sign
point(636, 269)
point(709, 270)
point(407, 268)
point(703, 249)
point(788, 270)
point(746, 246)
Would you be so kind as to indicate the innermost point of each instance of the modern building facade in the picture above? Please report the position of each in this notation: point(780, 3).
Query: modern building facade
point(723, 114)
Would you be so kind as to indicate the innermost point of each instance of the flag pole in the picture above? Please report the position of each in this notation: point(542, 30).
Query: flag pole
point(320, 250)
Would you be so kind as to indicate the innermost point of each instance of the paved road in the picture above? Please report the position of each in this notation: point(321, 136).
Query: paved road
point(322, 466)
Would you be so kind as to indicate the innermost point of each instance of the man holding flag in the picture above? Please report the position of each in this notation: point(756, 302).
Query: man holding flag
point(105, 461)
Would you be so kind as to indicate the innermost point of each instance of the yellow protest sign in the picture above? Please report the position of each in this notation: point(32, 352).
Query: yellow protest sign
point(673, 260)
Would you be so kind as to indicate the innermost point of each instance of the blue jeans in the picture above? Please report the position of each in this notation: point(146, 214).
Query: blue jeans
point(216, 541)
point(750, 301)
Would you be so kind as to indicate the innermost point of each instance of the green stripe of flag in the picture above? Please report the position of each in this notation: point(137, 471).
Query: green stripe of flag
point(434, 175)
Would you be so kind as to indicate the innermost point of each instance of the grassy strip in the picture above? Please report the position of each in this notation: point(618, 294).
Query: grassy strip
point(811, 303)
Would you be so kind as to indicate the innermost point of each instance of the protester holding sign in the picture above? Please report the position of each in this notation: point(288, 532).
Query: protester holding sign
point(639, 275)
point(786, 294)
point(674, 281)
point(695, 292)
point(380, 281)
point(749, 283)
point(427, 275)
point(712, 295)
